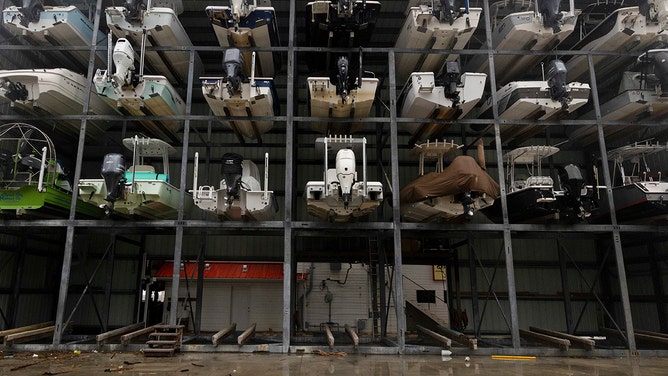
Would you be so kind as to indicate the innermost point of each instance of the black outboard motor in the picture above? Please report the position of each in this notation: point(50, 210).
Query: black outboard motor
point(556, 81)
point(343, 78)
point(573, 183)
point(549, 9)
point(135, 9)
point(450, 79)
point(660, 61)
point(15, 91)
point(233, 61)
point(113, 172)
point(447, 11)
point(232, 171)
point(31, 10)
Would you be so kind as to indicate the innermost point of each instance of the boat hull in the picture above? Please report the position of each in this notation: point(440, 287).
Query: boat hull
point(154, 96)
point(532, 204)
point(259, 100)
point(523, 31)
point(421, 98)
point(57, 92)
point(250, 206)
point(59, 26)
point(27, 201)
point(644, 202)
point(328, 204)
point(257, 29)
point(423, 30)
point(164, 29)
point(324, 102)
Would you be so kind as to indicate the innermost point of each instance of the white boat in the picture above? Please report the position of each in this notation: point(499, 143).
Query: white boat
point(626, 29)
point(137, 94)
point(239, 195)
point(342, 196)
point(33, 183)
point(248, 24)
point(536, 100)
point(451, 96)
point(58, 91)
point(638, 193)
point(56, 26)
point(138, 191)
point(235, 94)
point(531, 194)
point(161, 25)
point(349, 97)
point(341, 23)
point(542, 29)
point(643, 96)
point(433, 26)
point(449, 194)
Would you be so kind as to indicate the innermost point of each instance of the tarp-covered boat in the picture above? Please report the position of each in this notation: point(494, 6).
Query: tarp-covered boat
point(449, 194)
point(32, 181)
point(248, 24)
point(239, 195)
point(139, 191)
point(343, 196)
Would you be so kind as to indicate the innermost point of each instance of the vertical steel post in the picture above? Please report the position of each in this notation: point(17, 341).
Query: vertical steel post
point(563, 268)
point(106, 311)
point(473, 277)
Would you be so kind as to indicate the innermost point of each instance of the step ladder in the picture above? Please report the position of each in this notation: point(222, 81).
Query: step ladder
point(164, 341)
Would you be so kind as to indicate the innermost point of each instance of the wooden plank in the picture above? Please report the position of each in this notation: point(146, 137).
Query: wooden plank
point(353, 336)
point(25, 328)
point(221, 335)
point(330, 336)
point(458, 337)
point(588, 344)
point(103, 337)
point(29, 335)
point(563, 344)
point(645, 332)
point(247, 334)
point(126, 338)
point(445, 340)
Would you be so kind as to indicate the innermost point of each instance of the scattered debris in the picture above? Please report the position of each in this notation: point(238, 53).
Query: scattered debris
point(338, 354)
point(197, 365)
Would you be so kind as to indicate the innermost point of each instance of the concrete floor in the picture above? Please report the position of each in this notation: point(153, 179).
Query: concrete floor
point(226, 364)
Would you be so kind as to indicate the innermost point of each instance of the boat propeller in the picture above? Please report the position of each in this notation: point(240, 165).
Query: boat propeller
point(31, 10)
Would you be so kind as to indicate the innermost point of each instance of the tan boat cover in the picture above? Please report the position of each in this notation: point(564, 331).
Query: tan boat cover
point(462, 175)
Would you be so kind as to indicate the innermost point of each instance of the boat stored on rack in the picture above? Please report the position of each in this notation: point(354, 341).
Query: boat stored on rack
point(450, 96)
point(138, 191)
point(434, 25)
point(248, 24)
point(342, 196)
point(449, 194)
point(235, 94)
point(239, 195)
point(32, 181)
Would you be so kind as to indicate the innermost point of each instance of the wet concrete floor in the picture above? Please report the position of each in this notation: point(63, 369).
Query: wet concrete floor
point(226, 364)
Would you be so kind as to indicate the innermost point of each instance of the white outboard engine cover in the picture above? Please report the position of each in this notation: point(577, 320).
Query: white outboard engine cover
point(113, 172)
point(345, 172)
point(124, 58)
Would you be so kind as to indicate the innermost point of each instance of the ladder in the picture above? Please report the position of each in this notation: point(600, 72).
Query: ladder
point(164, 341)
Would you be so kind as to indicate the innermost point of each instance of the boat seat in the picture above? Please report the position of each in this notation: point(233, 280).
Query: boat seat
point(539, 181)
point(142, 168)
point(146, 175)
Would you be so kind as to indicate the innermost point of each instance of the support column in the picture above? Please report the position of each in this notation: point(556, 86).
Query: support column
point(17, 279)
point(108, 284)
point(659, 291)
point(563, 268)
point(473, 277)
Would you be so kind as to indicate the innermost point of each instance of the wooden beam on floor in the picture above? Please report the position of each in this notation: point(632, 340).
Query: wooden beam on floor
point(351, 333)
point(126, 338)
point(246, 335)
point(221, 335)
point(441, 338)
point(563, 344)
point(7, 332)
point(585, 343)
point(461, 338)
point(29, 335)
point(104, 337)
point(330, 336)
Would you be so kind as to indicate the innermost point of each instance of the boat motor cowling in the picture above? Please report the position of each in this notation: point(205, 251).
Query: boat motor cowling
point(556, 82)
point(573, 184)
point(549, 9)
point(232, 171)
point(31, 11)
point(448, 12)
point(14, 91)
point(660, 61)
point(135, 9)
point(343, 84)
point(450, 79)
point(346, 174)
point(113, 172)
point(233, 62)
point(124, 59)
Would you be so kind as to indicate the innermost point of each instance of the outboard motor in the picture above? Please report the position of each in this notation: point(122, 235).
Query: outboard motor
point(135, 9)
point(124, 59)
point(31, 10)
point(556, 82)
point(343, 78)
point(573, 183)
point(345, 8)
point(660, 61)
point(447, 11)
point(450, 79)
point(232, 170)
point(113, 172)
point(233, 61)
point(14, 91)
point(549, 9)
point(466, 200)
point(345, 174)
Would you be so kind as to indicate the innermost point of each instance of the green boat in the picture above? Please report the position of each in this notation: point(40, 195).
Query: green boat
point(33, 183)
